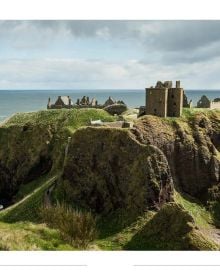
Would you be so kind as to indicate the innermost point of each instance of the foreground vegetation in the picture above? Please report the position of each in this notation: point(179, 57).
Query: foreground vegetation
point(76, 227)
point(30, 236)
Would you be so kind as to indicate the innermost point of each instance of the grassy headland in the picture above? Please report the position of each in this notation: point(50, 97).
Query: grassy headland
point(32, 157)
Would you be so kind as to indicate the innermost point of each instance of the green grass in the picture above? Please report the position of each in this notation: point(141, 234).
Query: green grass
point(116, 233)
point(191, 112)
point(17, 230)
point(73, 118)
point(202, 217)
point(29, 188)
point(29, 236)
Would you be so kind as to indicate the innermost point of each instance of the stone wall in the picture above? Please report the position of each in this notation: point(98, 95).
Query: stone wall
point(163, 100)
point(175, 102)
point(156, 101)
point(204, 102)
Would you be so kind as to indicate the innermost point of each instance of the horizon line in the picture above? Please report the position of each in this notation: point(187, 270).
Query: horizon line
point(99, 89)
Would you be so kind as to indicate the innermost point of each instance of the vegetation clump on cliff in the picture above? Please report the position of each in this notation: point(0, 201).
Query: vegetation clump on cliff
point(172, 228)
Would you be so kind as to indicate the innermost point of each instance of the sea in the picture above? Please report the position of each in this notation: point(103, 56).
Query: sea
point(14, 101)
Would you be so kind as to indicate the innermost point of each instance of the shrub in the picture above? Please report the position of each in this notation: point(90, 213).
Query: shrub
point(76, 227)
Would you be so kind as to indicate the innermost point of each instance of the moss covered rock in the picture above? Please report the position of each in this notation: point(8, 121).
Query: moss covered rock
point(107, 169)
point(191, 145)
point(32, 144)
point(172, 228)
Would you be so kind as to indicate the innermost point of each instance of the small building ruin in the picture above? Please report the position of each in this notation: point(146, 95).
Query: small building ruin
point(205, 102)
point(186, 103)
point(61, 102)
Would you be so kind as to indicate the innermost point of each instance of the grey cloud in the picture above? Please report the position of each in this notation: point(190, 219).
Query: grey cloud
point(162, 42)
point(186, 35)
point(169, 35)
point(165, 35)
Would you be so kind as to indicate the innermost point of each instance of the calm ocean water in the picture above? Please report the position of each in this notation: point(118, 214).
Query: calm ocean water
point(13, 101)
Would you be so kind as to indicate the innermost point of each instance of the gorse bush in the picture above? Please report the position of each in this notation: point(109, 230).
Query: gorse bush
point(76, 227)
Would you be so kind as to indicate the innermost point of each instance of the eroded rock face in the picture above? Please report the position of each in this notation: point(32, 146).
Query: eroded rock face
point(107, 169)
point(32, 144)
point(191, 148)
point(24, 156)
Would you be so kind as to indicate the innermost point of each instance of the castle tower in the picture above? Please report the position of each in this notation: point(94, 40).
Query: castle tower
point(156, 101)
point(175, 101)
point(177, 84)
point(163, 100)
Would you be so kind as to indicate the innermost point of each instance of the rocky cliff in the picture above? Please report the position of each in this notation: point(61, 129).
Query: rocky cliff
point(120, 174)
point(108, 169)
point(33, 144)
point(191, 146)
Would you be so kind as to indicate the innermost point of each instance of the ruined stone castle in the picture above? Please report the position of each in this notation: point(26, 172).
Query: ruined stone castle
point(61, 102)
point(163, 100)
point(111, 106)
point(205, 102)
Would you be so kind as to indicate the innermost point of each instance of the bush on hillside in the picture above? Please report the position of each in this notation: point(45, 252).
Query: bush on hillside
point(76, 227)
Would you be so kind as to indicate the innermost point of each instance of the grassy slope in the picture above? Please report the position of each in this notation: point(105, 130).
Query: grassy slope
point(28, 236)
point(117, 234)
point(17, 231)
point(71, 119)
point(27, 208)
point(119, 238)
point(202, 217)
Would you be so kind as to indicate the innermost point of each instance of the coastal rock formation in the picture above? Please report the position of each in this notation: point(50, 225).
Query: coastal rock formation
point(32, 144)
point(110, 168)
point(24, 156)
point(125, 175)
point(107, 169)
point(191, 146)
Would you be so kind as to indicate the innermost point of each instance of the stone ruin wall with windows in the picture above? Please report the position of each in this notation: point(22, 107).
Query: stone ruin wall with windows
point(163, 100)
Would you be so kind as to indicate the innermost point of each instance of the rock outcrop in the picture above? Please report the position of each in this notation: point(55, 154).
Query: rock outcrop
point(191, 146)
point(108, 169)
point(32, 144)
point(24, 156)
point(172, 228)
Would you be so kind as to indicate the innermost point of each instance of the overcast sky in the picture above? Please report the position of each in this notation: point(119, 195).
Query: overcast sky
point(108, 54)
